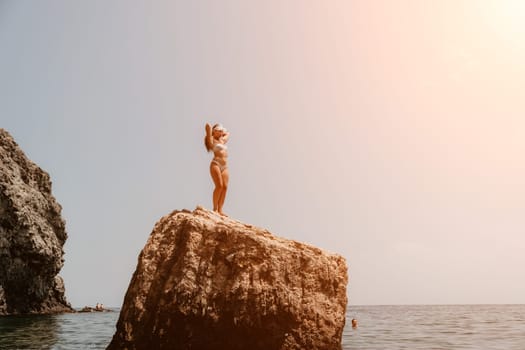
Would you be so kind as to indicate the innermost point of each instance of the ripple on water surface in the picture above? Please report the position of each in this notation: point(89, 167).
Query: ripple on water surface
point(459, 327)
point(65, 331)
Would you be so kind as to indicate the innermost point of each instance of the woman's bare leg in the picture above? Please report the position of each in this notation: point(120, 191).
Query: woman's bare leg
point(225, 179)
point(215, 172)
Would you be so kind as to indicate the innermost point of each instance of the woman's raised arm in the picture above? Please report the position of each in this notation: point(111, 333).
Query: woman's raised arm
point(225, 137)
point(208, 139)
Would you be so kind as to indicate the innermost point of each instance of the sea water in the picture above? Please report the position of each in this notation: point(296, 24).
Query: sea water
point(86, 330)
point(480, 327)
point(447, 327)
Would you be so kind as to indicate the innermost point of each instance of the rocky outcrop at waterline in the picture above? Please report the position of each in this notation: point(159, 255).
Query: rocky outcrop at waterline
point(208, 282)
point(32, 234)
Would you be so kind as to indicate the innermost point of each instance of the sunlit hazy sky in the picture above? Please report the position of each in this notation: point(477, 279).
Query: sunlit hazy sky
point(390, 132)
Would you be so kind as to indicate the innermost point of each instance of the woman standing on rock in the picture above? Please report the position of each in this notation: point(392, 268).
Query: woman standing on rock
point(215, 140)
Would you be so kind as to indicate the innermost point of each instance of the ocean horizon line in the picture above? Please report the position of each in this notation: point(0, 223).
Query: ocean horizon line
point(438, 304)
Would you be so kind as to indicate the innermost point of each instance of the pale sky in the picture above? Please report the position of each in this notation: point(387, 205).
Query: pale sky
point(390, 132)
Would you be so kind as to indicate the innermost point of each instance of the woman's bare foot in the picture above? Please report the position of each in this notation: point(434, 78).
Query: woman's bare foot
point(222, 213)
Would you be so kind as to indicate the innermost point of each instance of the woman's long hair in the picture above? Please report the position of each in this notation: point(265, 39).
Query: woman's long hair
point(207, 143)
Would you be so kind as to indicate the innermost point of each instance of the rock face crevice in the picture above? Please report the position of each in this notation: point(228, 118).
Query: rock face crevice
point(208, 282)
point(32, 234)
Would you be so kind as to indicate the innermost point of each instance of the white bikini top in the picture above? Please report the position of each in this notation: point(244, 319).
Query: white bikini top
point(219, 147)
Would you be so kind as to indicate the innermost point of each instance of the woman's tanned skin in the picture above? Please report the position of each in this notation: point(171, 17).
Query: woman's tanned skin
point(217, 135)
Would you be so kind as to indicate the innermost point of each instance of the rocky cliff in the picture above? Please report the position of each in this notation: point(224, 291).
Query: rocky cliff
point(208, 282)
point(32, 234)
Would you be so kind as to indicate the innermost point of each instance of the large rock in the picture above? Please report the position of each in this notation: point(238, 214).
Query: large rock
point(207, 282)
point(32, 234)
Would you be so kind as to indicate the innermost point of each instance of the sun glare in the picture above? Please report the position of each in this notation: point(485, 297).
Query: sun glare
point(507, 19)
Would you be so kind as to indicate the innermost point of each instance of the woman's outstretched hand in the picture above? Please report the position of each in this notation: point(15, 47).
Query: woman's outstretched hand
point(208, 128)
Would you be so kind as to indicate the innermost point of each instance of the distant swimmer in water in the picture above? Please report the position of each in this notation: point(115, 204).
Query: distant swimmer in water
point(215, 140)
point(354, 323)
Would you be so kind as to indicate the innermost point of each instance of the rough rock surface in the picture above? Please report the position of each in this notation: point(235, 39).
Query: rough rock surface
point(32, 234)
point(208, 282)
